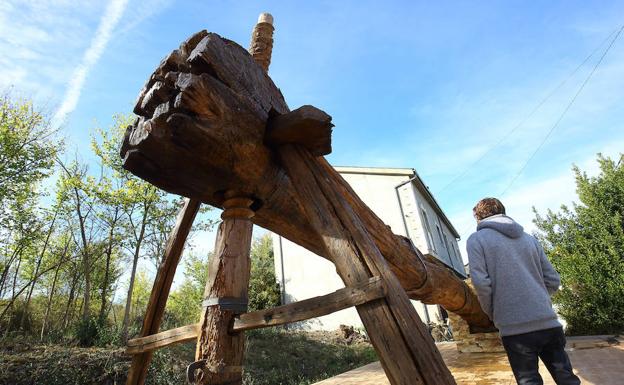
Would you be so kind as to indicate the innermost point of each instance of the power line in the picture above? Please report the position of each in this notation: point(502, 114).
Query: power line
point(552, 129)
point(521, 123)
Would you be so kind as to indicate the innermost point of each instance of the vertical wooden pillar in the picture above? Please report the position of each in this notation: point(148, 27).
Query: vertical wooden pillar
point(220, 353)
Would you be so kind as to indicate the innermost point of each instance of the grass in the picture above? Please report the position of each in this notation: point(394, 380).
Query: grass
point(273, 357)
point(298, 358)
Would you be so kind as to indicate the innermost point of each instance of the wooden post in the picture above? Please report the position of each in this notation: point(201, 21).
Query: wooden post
point(162, 285)
point(405, 348)
point(219, 352)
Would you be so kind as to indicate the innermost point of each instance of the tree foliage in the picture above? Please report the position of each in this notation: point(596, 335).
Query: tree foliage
point(27, 149)
point(264, 291)
point(184, 303)
point(68, 258)
point(586, 245)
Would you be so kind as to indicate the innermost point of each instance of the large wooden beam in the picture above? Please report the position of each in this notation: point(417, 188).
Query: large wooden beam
point(162, 285)
point(403, 344)
point(202, 131)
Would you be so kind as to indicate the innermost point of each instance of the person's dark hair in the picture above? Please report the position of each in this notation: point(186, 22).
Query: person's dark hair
point(488, 207)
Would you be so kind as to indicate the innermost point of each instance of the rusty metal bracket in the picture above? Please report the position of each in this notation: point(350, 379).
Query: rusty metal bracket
point(203, 365)
point(190, 370)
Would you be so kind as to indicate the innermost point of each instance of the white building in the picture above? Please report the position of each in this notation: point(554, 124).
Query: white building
point(401, 199)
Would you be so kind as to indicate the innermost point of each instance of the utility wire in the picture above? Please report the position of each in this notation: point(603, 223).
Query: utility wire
point(521, 123)
point(552, 129)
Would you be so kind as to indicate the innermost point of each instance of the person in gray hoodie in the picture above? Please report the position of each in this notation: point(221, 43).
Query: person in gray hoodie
point(514, 280)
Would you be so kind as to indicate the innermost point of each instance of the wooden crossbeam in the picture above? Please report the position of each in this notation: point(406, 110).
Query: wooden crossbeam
point(298, 311)
point(163, 339)
point(313, 307)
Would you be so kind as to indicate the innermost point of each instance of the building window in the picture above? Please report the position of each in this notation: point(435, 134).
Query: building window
point(446, 245)
point(425, 220)
point(456, 254)
point(440, 236)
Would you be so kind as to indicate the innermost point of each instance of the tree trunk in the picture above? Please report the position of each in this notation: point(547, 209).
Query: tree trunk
point(109, 252)
point(135, 260)
point(49, 304)
point(51, 295)
point(70, 298)
point(38, 265)
point(17, 269)
point(7, 269)
point(20, 291)
point(86, 267)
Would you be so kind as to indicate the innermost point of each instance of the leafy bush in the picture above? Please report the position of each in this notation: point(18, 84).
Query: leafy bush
point(87, 331)
point(264, 291)
point(278, 356)
point(586, 245)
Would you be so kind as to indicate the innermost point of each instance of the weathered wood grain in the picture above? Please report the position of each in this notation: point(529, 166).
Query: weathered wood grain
point(310, 308)
point(162, 285)
point(306, 126)
point(202, 131)
point(163, 339)
point(261, 45)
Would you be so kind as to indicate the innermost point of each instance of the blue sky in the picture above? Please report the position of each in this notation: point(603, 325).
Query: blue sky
point(428, 85)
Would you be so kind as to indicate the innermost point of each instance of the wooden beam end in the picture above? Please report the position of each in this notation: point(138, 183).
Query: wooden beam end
point(307, 126)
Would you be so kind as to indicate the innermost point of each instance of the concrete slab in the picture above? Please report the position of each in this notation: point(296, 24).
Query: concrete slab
point(597, 360)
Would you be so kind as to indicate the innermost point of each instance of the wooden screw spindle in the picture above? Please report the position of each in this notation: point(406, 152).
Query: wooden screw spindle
point(261, 45)
point(219, 354)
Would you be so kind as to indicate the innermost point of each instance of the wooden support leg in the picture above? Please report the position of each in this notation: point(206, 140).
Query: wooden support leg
point(162, 285)
point(220, 352)
point(404, 346)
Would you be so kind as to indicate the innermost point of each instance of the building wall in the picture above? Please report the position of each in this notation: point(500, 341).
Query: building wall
point(303, 274)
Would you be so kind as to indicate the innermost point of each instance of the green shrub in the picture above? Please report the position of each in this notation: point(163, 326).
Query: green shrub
point(264, 291)
point(586, 246)
point(86, 331)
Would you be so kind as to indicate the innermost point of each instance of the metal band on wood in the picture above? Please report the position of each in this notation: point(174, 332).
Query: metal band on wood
point(237, 305)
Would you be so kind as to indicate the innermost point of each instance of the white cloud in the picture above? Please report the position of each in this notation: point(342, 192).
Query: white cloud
point(38, 40)
point(109, 20)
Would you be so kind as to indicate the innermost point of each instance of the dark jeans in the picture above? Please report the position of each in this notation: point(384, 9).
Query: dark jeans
point(523, 351)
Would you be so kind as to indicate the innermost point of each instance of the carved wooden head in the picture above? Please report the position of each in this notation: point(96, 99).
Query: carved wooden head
point(202, 120)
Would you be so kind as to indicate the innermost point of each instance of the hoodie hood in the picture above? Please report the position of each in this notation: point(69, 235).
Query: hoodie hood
point(503, 224)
